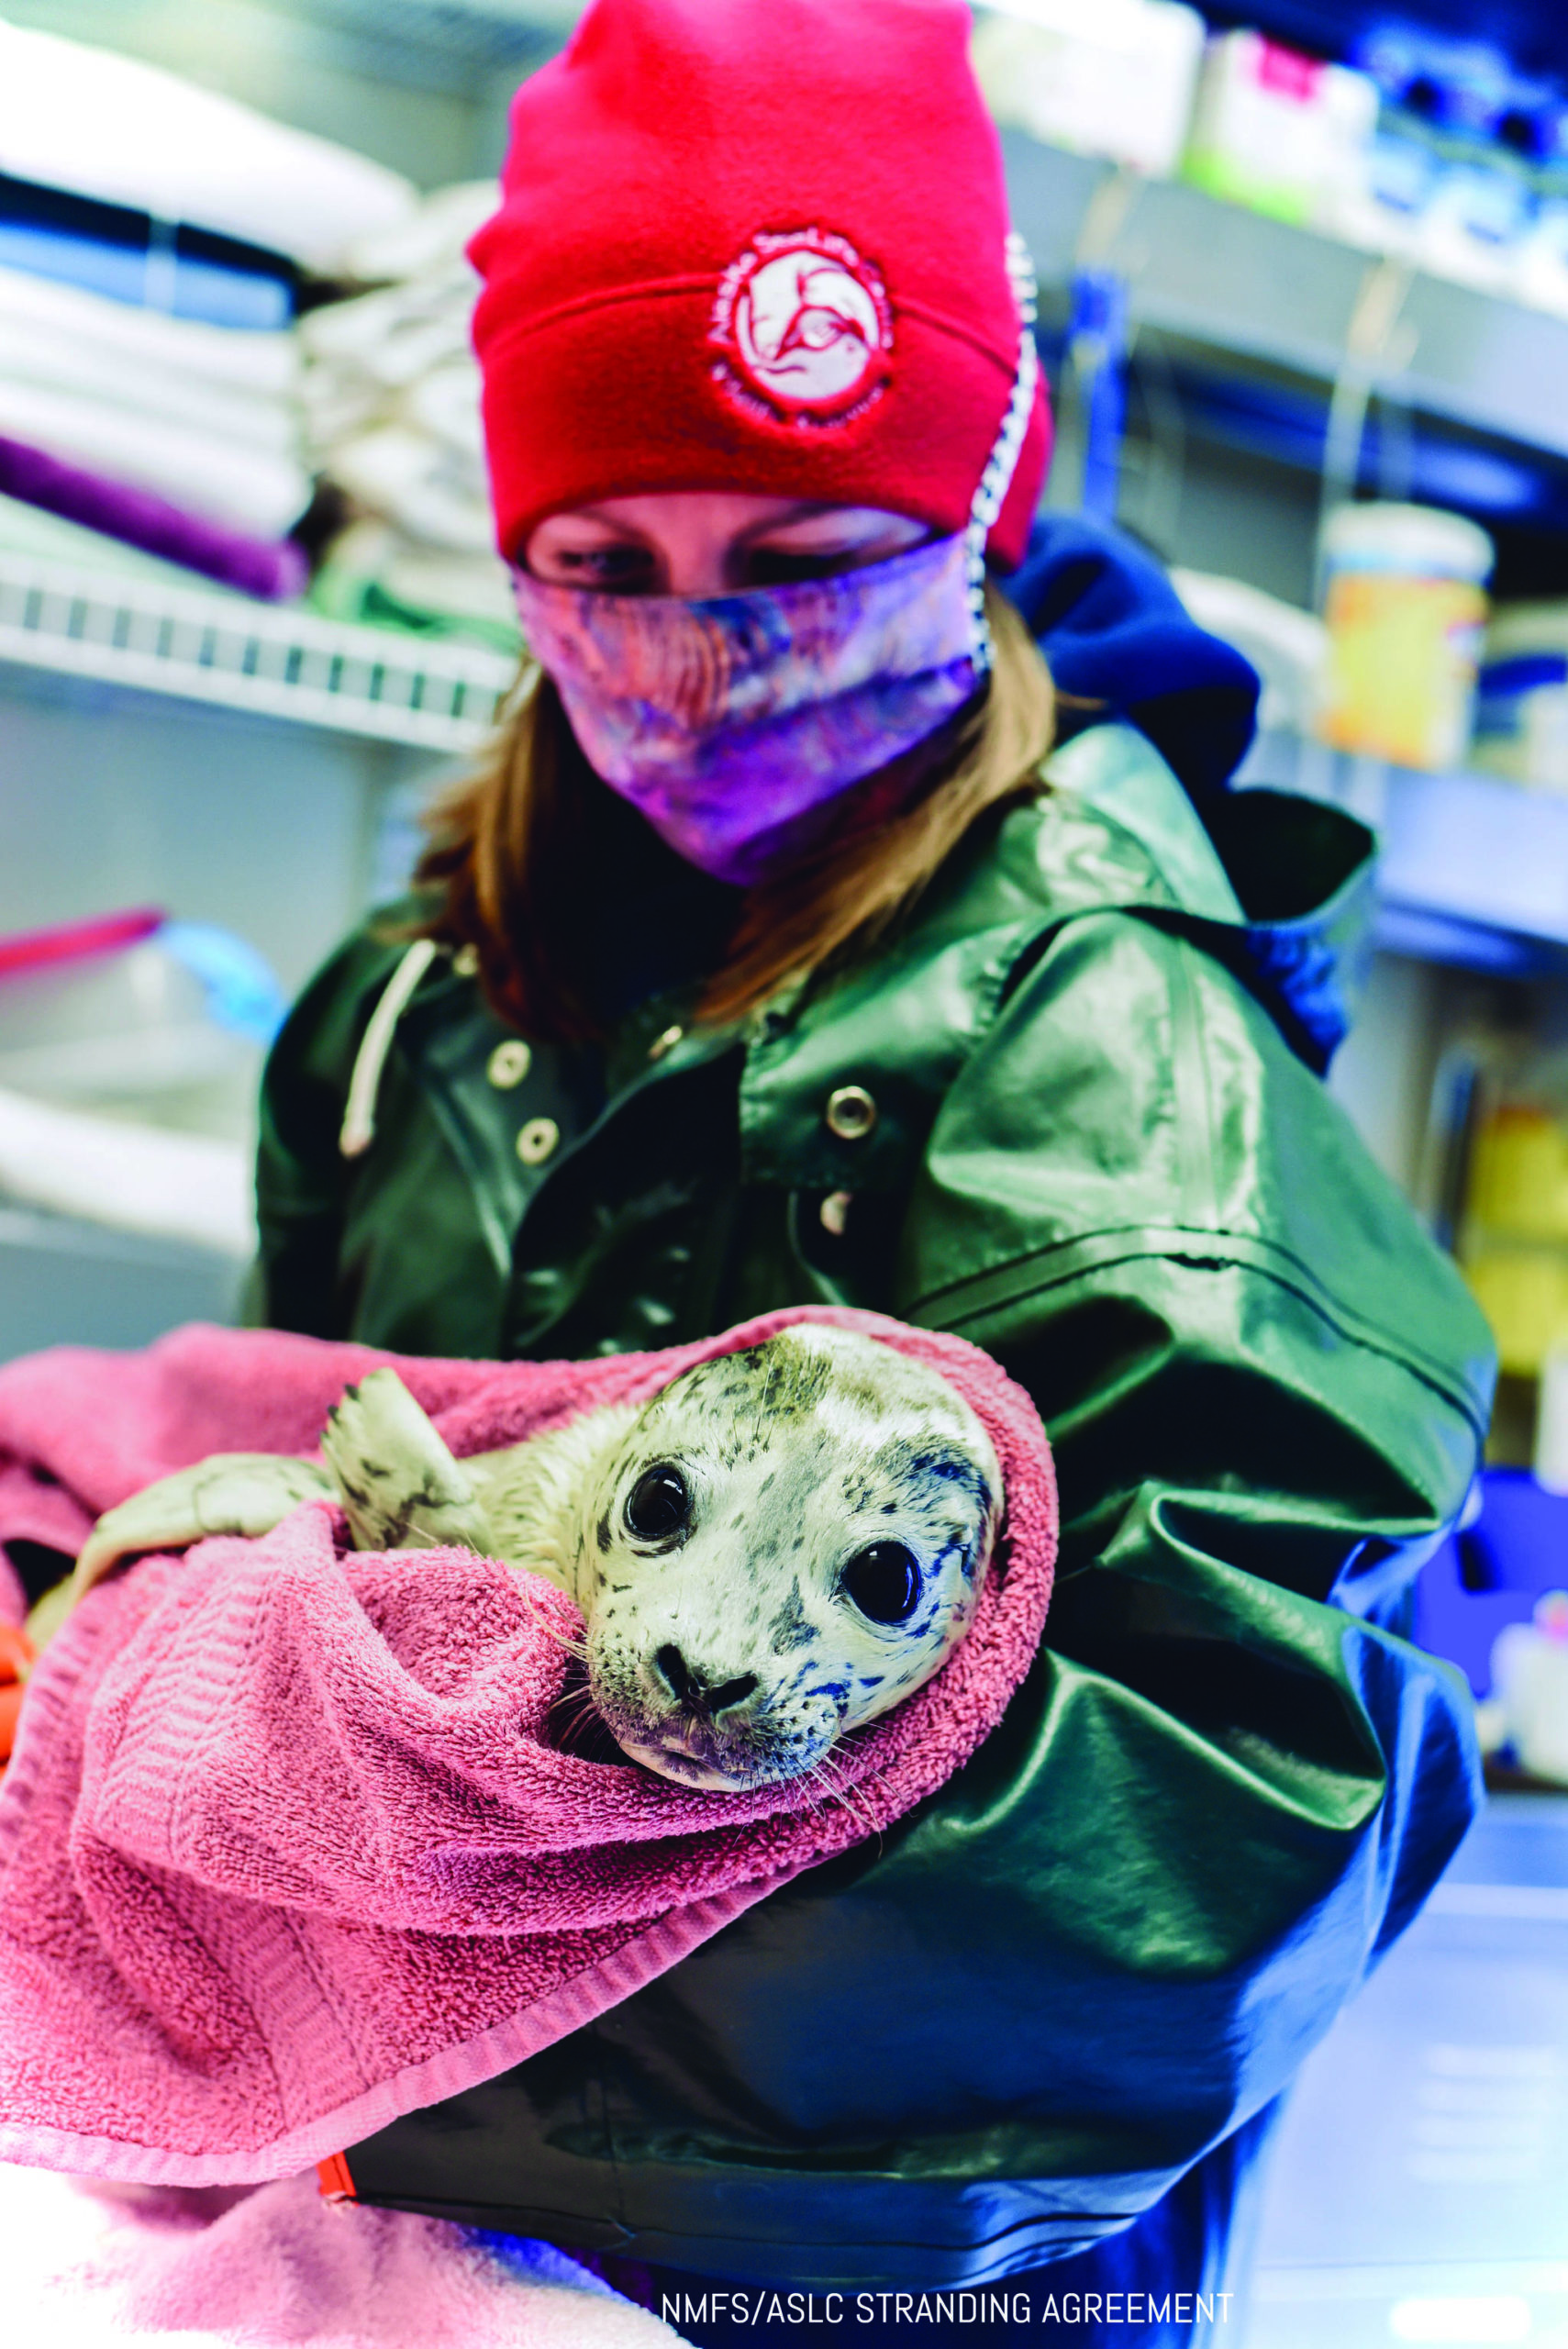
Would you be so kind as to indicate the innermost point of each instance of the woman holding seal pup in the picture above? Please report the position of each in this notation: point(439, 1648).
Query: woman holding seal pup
point(799, 942)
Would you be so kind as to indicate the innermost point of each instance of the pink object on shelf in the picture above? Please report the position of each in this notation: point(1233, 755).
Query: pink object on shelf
point(286, 1848)
point(73, 942)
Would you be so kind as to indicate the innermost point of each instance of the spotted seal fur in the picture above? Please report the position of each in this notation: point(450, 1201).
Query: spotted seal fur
point(776, 1547)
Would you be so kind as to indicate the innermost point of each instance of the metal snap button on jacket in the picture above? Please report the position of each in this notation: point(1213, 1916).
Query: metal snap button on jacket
point(508, 1064)
point(537, 1140)
point(835, 1212)
point(850, 1112)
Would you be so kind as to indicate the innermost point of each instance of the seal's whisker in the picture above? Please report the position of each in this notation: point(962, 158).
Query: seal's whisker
point(576, 1705)
point(577, 1646)
point(575, 1731)
point(828, 1772)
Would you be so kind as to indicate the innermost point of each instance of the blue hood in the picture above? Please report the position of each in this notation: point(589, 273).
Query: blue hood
point(1117, 637)
point(1115, 632)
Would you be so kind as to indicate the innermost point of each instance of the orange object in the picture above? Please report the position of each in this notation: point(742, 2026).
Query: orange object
point(337, 2185)
point(17, 1656)
point(17, 1653)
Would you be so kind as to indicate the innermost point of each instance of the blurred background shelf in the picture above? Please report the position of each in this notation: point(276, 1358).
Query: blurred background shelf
point(65, 1282)
point(1411, 2192)
point(239, 655)
point(1236, 283)
point(1472, 870)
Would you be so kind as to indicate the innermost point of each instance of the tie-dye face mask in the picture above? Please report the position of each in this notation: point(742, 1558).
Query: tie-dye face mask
point(731, 723)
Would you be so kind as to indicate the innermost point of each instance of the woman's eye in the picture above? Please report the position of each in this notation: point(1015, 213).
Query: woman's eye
point(620, 570)
point(884, 1582)
point(658, 1504)
point(771, 567)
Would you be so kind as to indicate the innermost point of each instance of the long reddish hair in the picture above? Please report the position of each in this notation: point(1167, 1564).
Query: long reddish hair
point(511, 857)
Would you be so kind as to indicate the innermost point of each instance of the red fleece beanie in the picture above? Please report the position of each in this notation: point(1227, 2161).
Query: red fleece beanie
point(754, 245)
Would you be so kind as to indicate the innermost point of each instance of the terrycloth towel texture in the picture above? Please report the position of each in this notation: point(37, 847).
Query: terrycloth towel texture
point(286, 1849)
point(197, 2269)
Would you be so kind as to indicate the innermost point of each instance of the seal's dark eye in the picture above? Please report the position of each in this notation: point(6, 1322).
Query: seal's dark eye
point(658, 1504)
point(883, 1581)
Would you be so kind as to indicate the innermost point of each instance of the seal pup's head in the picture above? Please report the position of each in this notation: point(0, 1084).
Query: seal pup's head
point(784, 1544)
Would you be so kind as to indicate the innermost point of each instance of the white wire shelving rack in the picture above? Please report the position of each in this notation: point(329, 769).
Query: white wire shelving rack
point(270, 661)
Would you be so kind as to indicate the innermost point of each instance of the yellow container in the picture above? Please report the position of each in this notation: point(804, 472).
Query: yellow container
point(1514, 1246)
point(1523, 1292)
point(1519, 1174)
point(1406, 606)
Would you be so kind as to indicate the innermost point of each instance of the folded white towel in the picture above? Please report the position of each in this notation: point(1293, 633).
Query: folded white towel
point(255, 490)
point(264, 366)
point(430, 238)
point(113, 127)
point(339, 403)
point(45, 360)
point(425, 487)
point(431, 579)
point(445, 404)
point(398, 334)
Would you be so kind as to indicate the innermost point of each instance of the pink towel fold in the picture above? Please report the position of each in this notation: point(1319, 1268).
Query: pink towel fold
point(287, 1849)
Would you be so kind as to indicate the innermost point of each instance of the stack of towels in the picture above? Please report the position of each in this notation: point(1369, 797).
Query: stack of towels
point(391, 393)
point(152, 240)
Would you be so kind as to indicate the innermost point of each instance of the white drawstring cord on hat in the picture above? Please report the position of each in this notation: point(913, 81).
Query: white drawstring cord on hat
point(997, 479)
point(358, 1130)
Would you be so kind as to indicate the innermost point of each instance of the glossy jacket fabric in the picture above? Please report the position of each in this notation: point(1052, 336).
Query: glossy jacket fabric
point(1099, 1151)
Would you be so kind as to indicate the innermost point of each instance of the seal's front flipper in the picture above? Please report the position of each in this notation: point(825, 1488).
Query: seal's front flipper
point(399, 1485)
point(234, 1492)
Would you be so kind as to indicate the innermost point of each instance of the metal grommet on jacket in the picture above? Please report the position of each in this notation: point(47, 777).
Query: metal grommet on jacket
point(834, 1212)
point(508, 1064)
point(850, 1112)
point(537, 1140)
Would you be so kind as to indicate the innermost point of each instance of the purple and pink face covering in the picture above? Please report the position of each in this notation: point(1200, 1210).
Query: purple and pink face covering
point(734, 722)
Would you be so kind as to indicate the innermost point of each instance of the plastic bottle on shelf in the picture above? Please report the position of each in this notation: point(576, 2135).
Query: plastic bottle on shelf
point(1540, 264)
point(1406, 604)
point(1529, 1685)
point(1512, 1237)
point(1113, 78)
point(1459, 137)
point(1521, 707)
point(1278, 131)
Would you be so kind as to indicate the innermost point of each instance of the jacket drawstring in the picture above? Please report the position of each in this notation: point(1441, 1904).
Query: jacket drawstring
point(358, 1130)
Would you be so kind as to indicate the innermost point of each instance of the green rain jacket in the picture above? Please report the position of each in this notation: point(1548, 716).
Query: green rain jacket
point(1003, 2030)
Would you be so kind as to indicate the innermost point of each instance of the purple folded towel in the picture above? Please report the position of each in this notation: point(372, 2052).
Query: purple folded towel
point(273, 568)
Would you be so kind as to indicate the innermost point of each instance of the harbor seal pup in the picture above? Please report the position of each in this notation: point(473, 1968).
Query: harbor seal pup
point(776, 1547)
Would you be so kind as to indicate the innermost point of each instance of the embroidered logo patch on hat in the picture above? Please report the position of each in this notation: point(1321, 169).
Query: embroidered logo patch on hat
point(804, 326)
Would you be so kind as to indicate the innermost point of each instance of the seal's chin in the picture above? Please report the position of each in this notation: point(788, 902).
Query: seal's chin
point(693, 1754)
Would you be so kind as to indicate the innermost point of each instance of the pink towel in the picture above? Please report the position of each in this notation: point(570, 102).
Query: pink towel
point(286, 1850)
point(207, 2267)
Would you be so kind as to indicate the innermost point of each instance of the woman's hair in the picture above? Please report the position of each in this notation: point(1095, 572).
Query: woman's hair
point(512, 853)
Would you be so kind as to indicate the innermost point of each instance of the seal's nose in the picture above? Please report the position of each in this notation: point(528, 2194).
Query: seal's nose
point(693, 1693)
